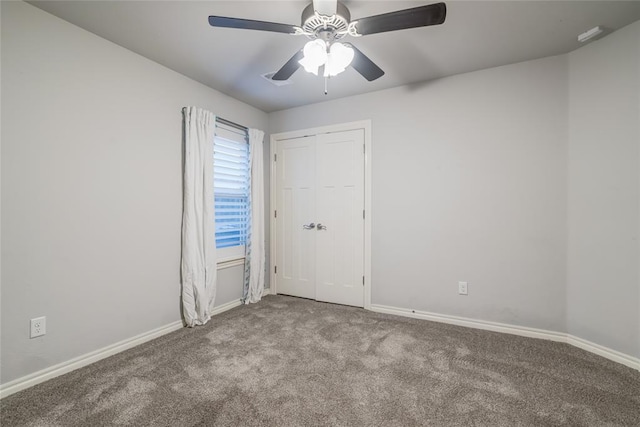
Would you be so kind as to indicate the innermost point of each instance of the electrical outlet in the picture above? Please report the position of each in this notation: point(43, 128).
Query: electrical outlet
point(462, 288)
point(38, 327)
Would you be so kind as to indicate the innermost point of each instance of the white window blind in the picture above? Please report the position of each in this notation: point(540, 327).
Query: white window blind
point(231, 190)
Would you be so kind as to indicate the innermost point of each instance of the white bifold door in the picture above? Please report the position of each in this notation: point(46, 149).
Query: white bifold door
point(320, 217)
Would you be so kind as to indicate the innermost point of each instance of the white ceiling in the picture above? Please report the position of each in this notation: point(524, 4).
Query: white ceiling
point(476, 35)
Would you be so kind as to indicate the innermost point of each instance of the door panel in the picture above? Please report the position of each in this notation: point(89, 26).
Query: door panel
point(295, 249)
point(339, 207)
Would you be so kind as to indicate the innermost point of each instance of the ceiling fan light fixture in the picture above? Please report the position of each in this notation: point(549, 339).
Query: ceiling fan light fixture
point(339, 58)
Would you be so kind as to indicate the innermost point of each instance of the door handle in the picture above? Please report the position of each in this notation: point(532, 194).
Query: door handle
point(309, 226)
point(321, 227)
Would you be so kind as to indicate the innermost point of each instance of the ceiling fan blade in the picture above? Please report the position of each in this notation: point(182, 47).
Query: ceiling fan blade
point(325, 7)
point(422, 16)
point(289, 68)
point(249, 24)
point(362, 64)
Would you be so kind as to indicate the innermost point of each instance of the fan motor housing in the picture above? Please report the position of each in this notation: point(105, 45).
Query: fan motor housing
point(326, 27)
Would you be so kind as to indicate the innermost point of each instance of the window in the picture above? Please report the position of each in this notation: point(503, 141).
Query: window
point(231, 191)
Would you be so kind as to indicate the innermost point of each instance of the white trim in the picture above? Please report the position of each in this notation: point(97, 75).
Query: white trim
point(341, 127)
point(230, 254)
point(471, 323)
point(266, 291)
point(226, 306)
point(367, 218)
point(230, 263)
point(362, 124)
point(272, 209)
point(86, 359)
point(616, 356)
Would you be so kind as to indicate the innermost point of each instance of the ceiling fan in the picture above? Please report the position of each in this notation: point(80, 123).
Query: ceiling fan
point(325, 22)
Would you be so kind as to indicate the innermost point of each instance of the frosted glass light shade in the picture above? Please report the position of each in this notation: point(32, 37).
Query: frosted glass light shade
point(315, 55)
point(339, 58)
point(335, 61)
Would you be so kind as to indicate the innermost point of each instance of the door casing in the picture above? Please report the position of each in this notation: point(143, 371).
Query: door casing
point(366, 126)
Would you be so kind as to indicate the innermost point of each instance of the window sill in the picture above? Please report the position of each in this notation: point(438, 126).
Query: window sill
point(228, 263)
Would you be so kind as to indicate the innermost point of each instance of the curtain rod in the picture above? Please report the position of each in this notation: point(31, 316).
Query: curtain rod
point(230, 123)
point(227, 122)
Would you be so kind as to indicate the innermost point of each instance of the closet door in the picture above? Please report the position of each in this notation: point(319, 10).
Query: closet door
point(320, 222)
point(339, 216)
point(295, 207)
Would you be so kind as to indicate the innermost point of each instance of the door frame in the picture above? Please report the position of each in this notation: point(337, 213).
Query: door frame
point(275, 138)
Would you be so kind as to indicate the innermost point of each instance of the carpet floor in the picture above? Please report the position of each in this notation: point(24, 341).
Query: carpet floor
point(293, 362)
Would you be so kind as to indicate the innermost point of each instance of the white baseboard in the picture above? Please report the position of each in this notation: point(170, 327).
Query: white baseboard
point(94, 356)
point(226, 306)
point(616, 356)
point(472, 323)
point(524, 331)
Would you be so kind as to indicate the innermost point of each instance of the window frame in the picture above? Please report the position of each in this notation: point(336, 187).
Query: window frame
point(232, 135)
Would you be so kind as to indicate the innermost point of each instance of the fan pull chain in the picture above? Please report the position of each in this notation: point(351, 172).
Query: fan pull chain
point(326, 81)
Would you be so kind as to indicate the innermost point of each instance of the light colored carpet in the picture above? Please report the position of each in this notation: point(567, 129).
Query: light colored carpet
point(294, 362)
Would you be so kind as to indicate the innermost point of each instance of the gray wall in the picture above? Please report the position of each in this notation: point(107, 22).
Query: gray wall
point(603, 281)
point(469, 184)
point(91, 189)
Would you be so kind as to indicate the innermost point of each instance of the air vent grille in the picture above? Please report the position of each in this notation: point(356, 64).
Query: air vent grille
point(268, 76)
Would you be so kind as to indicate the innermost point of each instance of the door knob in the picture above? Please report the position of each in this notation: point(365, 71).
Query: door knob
point(321, 227)
point(309, 226)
